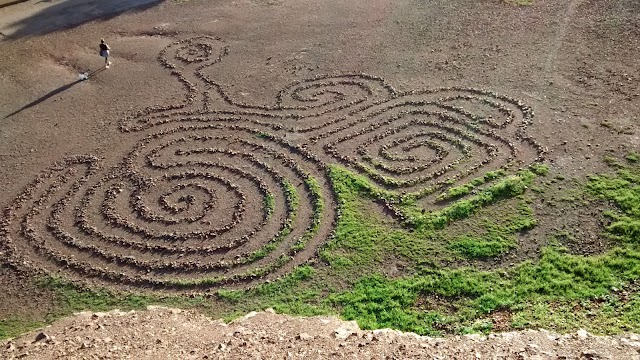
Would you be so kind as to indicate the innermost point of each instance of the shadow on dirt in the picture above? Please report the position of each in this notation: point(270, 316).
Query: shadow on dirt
point(54, 93)
point(46, 16)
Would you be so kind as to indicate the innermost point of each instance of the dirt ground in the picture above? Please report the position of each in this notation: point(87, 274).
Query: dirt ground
point(357, 68)
point(171, 333)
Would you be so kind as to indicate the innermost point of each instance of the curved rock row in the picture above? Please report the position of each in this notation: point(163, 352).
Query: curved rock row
point(235, 196)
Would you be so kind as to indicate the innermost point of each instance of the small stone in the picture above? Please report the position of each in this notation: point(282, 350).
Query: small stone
point(583, 334)
point(249, 315)
point(474, 337)
point(590, 354)
point(41, 336)
point(305, 336)
point(342, 333)
point(98, 315)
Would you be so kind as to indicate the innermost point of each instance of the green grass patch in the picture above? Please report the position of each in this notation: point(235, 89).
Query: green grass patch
point(633, 157)
point(14, 326)
point(269, 205)
point(462, 190)
point(489, 245)
point(495, 231)
point(622, 188)
point(293, 202)
point(318, 205)
point(540, 169)
point(362, 239)
point(557, 277)
point(510, 187)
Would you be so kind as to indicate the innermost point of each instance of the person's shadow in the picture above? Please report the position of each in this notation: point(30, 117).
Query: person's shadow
point(54, 92)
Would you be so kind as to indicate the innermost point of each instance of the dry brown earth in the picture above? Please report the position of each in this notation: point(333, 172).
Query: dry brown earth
point(175, 334)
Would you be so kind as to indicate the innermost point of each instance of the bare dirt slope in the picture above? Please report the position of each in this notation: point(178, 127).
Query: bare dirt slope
point(171, 333)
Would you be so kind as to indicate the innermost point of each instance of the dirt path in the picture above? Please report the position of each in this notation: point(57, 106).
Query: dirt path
point(171, 333)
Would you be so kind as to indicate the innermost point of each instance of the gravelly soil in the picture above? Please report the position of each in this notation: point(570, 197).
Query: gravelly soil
point(172, 333)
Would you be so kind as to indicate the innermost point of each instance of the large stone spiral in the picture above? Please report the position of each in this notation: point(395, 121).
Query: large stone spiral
point(238, 195)
point(190, 206)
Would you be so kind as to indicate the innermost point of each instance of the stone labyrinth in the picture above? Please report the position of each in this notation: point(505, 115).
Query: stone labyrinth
point(222, 193)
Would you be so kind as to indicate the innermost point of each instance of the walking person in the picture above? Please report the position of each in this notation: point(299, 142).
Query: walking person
point(104, 52)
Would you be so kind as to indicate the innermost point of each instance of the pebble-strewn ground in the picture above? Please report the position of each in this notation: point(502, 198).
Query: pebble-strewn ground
point(162, 333)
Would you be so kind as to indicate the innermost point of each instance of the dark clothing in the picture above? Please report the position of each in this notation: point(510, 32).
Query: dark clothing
point(103, 47)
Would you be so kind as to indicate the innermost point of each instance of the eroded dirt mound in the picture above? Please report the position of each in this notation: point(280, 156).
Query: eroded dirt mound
point(172, 333)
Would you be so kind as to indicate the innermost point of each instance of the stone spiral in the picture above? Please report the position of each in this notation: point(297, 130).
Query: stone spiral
point(191, 206)
point(240, 195)
point(422, 142)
